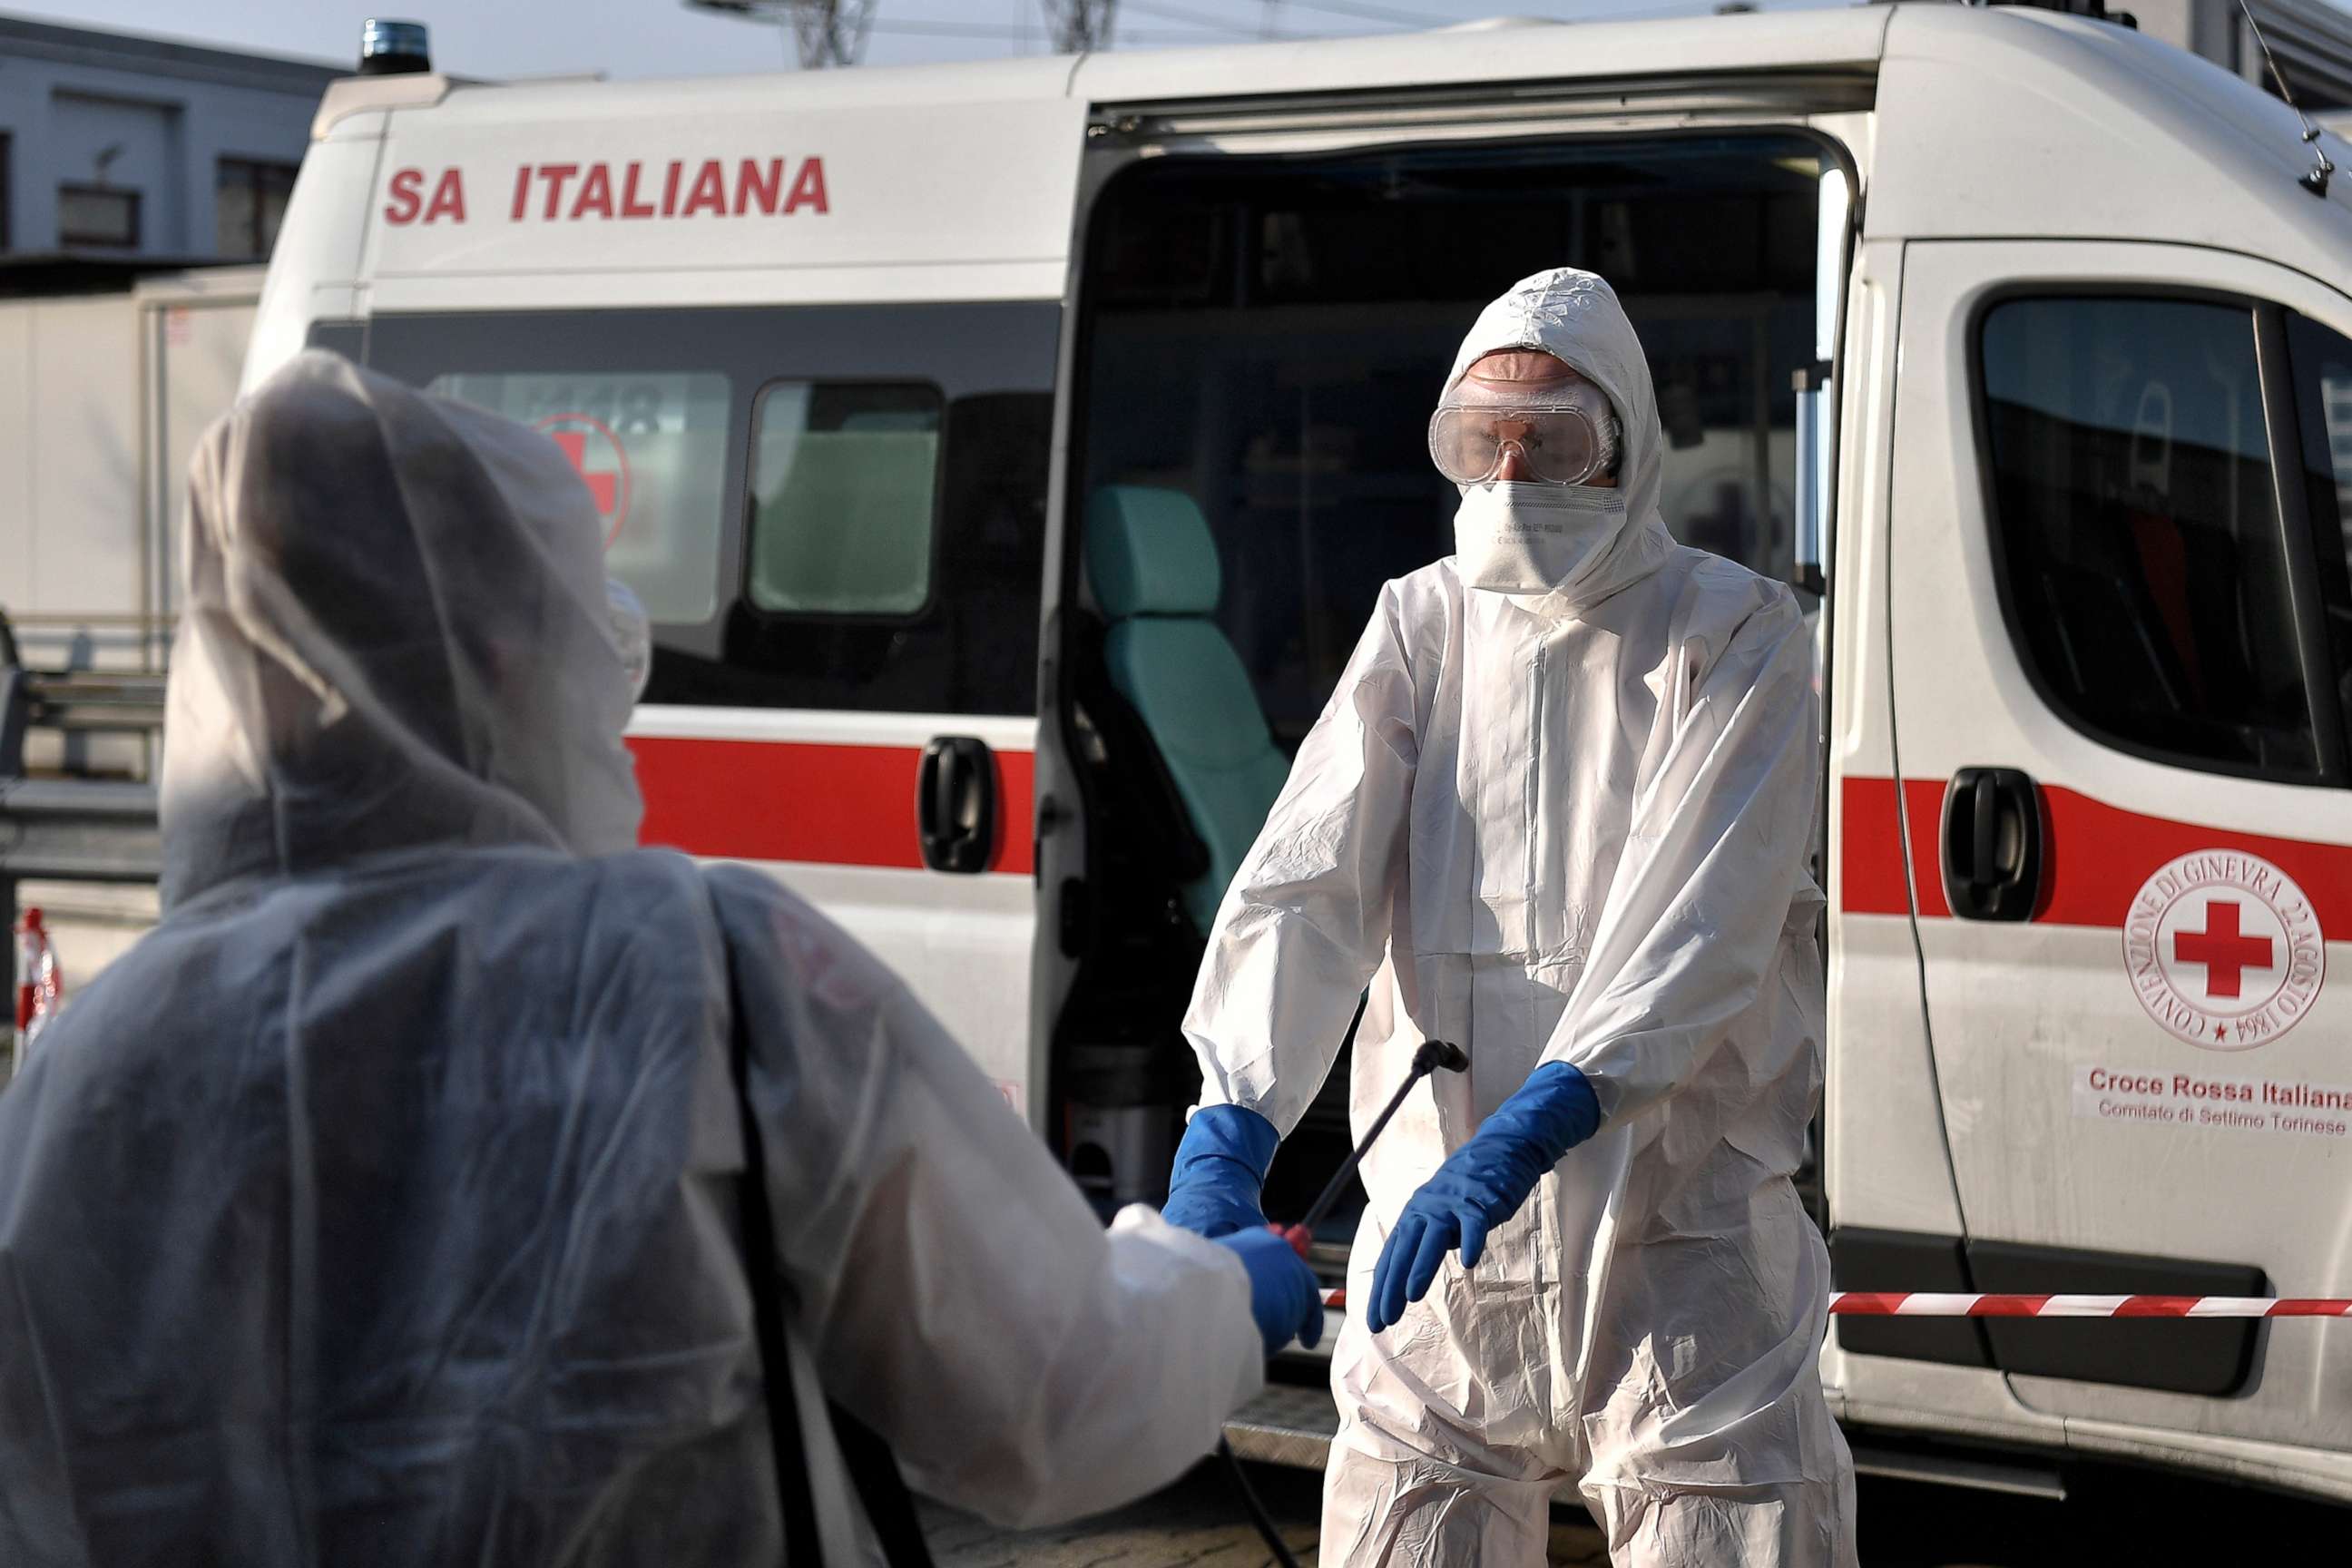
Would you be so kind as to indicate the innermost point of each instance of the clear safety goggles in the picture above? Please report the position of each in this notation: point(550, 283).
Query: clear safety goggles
point(1556, 444)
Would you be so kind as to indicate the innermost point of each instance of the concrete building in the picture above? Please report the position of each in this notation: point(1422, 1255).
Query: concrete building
point(115, 148)
point(2310, 39)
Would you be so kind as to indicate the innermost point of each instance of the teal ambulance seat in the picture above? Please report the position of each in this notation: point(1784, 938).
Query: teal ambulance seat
point(1154, 571)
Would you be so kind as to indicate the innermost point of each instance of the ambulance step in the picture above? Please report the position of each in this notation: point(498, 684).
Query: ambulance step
point(2017, 1479)
point(1289, 1424)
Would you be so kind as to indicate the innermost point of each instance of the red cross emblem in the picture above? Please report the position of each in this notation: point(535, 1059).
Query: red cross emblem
point(604, 468)
point(2224, 949)
point(2225, 954)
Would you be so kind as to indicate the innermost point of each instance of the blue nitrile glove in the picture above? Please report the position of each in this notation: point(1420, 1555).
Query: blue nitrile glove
point(1284, 1297)
point(1220, 1165)
point(1482, 1184)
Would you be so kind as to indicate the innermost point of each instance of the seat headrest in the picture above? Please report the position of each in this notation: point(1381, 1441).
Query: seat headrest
point(1148, 553)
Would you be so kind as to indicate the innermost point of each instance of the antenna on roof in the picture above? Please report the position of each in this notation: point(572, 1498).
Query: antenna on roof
point(2314, 179)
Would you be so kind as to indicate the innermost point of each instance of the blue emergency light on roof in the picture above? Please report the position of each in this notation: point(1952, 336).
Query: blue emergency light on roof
point(392, 48)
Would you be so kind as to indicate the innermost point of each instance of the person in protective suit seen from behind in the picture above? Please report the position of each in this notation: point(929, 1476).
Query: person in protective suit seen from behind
point(1558, 813)
point(388, 1203)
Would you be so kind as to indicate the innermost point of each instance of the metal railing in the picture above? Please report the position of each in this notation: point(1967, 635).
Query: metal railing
point(75, 829)
point(60, 825)
point(65, 828)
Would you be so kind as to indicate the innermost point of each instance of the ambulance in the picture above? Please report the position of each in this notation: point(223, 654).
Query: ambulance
point(1010, 455)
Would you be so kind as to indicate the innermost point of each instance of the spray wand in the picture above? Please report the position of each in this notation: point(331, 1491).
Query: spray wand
point(1431, 1056)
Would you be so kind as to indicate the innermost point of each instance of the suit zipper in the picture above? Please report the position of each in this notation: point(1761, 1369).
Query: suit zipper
point(1535, 776)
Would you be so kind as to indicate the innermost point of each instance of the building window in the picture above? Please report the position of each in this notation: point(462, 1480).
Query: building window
point(249, 204)
point(98, 216)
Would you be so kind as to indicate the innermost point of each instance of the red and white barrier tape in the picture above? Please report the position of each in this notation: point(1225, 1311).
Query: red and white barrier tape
point(1922, 1304)
point(1927, 1304)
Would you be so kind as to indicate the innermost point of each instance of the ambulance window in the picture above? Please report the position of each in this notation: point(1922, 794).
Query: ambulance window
point(896, 539)
point(845, 482)
point(652, 445)
point(2133, 504)
point(824, 506)
point(2323, 376)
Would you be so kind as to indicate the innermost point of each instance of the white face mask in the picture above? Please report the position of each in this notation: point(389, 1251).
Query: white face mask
point(1516, 537)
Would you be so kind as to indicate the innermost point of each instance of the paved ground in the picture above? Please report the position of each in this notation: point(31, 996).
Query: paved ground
point(2109, 1518)
point(1199, 1523)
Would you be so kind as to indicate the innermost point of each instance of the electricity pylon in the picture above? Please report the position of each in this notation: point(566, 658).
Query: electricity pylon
point(1079, 26)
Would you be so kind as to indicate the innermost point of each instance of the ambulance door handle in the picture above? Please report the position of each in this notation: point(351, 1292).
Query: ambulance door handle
point(1992, 845)
point(955, 804)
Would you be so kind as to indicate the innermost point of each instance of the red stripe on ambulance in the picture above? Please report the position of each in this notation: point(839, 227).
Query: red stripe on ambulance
point(1870, 858)
point(822, 804)
point(2096, 857)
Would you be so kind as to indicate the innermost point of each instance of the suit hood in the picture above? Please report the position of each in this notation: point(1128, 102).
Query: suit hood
point(1574, 316)
point(393, 635)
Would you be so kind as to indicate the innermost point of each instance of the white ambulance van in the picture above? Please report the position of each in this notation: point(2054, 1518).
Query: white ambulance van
point(1010, 455)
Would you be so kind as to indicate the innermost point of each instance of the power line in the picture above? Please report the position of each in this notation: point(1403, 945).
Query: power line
point(827, 31)
point(834, 32)
point(1650, 9)
point(1193, 18)
point(1423, 19)
point(1375, 13)
point(930, 29)
point(1262, 30)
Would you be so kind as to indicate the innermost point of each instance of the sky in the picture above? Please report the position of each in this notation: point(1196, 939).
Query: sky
point(506, 39)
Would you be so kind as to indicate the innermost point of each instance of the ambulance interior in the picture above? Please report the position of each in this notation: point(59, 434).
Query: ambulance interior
point(1262, 342)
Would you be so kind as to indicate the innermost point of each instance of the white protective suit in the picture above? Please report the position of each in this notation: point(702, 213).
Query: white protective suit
point(382, 1205)
point(1570, 828)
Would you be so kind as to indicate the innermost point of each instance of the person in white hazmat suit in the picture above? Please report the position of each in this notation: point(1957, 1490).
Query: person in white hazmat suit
point(385, 1204)
point(1561, 802)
